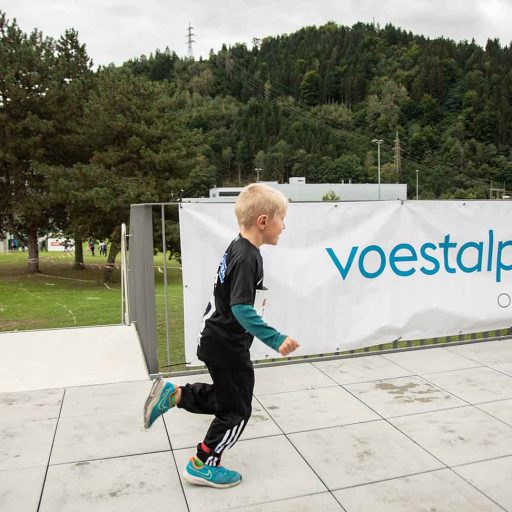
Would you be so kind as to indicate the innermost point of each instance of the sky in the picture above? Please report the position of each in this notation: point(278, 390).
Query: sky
point(117, 30)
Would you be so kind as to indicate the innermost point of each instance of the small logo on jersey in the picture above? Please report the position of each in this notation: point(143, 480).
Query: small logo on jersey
point(222, 268)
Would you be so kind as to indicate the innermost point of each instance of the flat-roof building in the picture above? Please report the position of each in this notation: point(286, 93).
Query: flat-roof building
point(299, 190)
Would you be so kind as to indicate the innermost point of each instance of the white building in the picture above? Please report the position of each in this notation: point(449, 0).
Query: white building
point(299, 190)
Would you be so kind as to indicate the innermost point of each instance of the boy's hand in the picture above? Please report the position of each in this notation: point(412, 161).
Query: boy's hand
point(288, 345)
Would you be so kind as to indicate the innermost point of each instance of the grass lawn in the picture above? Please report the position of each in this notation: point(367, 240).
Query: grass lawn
point(62, 297)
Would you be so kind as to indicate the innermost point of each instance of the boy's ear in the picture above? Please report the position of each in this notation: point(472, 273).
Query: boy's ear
point(262, 220)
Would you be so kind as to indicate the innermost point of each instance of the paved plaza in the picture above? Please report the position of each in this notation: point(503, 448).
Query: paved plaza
point(419, 430)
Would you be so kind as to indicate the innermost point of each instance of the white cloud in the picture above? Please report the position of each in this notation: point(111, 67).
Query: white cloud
point(116, 30)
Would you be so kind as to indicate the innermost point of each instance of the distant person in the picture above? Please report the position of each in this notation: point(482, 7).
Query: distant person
point(229, 326)
point(91, 246)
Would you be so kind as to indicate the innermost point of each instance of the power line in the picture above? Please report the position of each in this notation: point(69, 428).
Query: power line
point(305, 112)
point(309, 114)
point(397, 157)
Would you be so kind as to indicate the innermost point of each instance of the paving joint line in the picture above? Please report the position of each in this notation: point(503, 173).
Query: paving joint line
point(97, 459)
point(300, 454)
point(470, 404)
point(51, 450)
point(176, 465)
point(279, 500)
point(478, 490)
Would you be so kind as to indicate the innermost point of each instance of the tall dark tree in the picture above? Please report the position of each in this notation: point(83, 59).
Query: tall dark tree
point(26, 124)
point(41, 91)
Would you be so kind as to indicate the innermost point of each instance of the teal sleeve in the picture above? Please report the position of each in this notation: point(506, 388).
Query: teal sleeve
point(247, 317)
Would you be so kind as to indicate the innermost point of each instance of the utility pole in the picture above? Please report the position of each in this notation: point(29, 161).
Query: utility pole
point(190, 40)
point(397, 158)
point(378, 142)
point(417, 180)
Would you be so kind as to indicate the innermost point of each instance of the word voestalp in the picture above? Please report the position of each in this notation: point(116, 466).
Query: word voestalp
point(446, 256)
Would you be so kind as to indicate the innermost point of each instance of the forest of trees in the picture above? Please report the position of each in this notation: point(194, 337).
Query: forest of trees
point(78, 145)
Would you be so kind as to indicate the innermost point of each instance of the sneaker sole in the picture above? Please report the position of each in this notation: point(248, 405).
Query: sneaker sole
point(152, 400)
point(201, 481)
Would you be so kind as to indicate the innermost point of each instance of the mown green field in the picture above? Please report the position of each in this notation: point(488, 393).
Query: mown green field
point(62, 297)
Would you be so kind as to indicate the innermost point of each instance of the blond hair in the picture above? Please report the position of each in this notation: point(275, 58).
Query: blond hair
point(258, 199)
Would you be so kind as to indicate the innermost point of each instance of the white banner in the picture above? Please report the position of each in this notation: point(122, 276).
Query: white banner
point(60, 245)
point(351, 275)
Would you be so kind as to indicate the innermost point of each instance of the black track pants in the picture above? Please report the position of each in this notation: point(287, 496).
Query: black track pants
point(229, 399)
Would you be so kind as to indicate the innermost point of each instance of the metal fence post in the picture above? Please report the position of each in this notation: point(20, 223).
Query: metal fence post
point(141, 280)
point(166, 294)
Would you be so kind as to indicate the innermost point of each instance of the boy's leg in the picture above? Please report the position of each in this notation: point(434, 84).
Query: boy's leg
point(198, 398)
point(233, 395)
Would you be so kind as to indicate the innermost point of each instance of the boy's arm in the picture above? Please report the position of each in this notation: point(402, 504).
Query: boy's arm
point(247, 317)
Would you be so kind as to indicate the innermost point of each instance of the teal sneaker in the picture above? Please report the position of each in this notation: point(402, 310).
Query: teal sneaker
point(198, 473)
point(161, 398)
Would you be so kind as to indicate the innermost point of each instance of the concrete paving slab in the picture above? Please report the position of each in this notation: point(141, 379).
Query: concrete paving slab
point(505, 368)
point(127, 484)
point(406, 395)
point(20, 489)
point(104, 399)
point(439, 491)
point(430, 360)
point(292, 377)
point(58, 358)
point(298, 411)
point(26, 444)
point(186, 429)
point(474, 385)
point(16, 408)
point(324, 502)
point(492, 477)
point(361, 369)
point(458, 436)
point(271, 470)
point(486, 353)
point(115, 434)
point(501, 410)
point(363, 453)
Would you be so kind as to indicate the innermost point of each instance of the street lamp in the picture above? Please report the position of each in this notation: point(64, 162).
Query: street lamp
point(417, 173)
point(258, 170)
point(378, 142)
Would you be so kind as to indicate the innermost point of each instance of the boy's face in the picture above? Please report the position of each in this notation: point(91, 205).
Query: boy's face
point(274, 228)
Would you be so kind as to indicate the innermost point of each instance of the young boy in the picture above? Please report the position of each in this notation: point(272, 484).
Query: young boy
point(229, 326)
